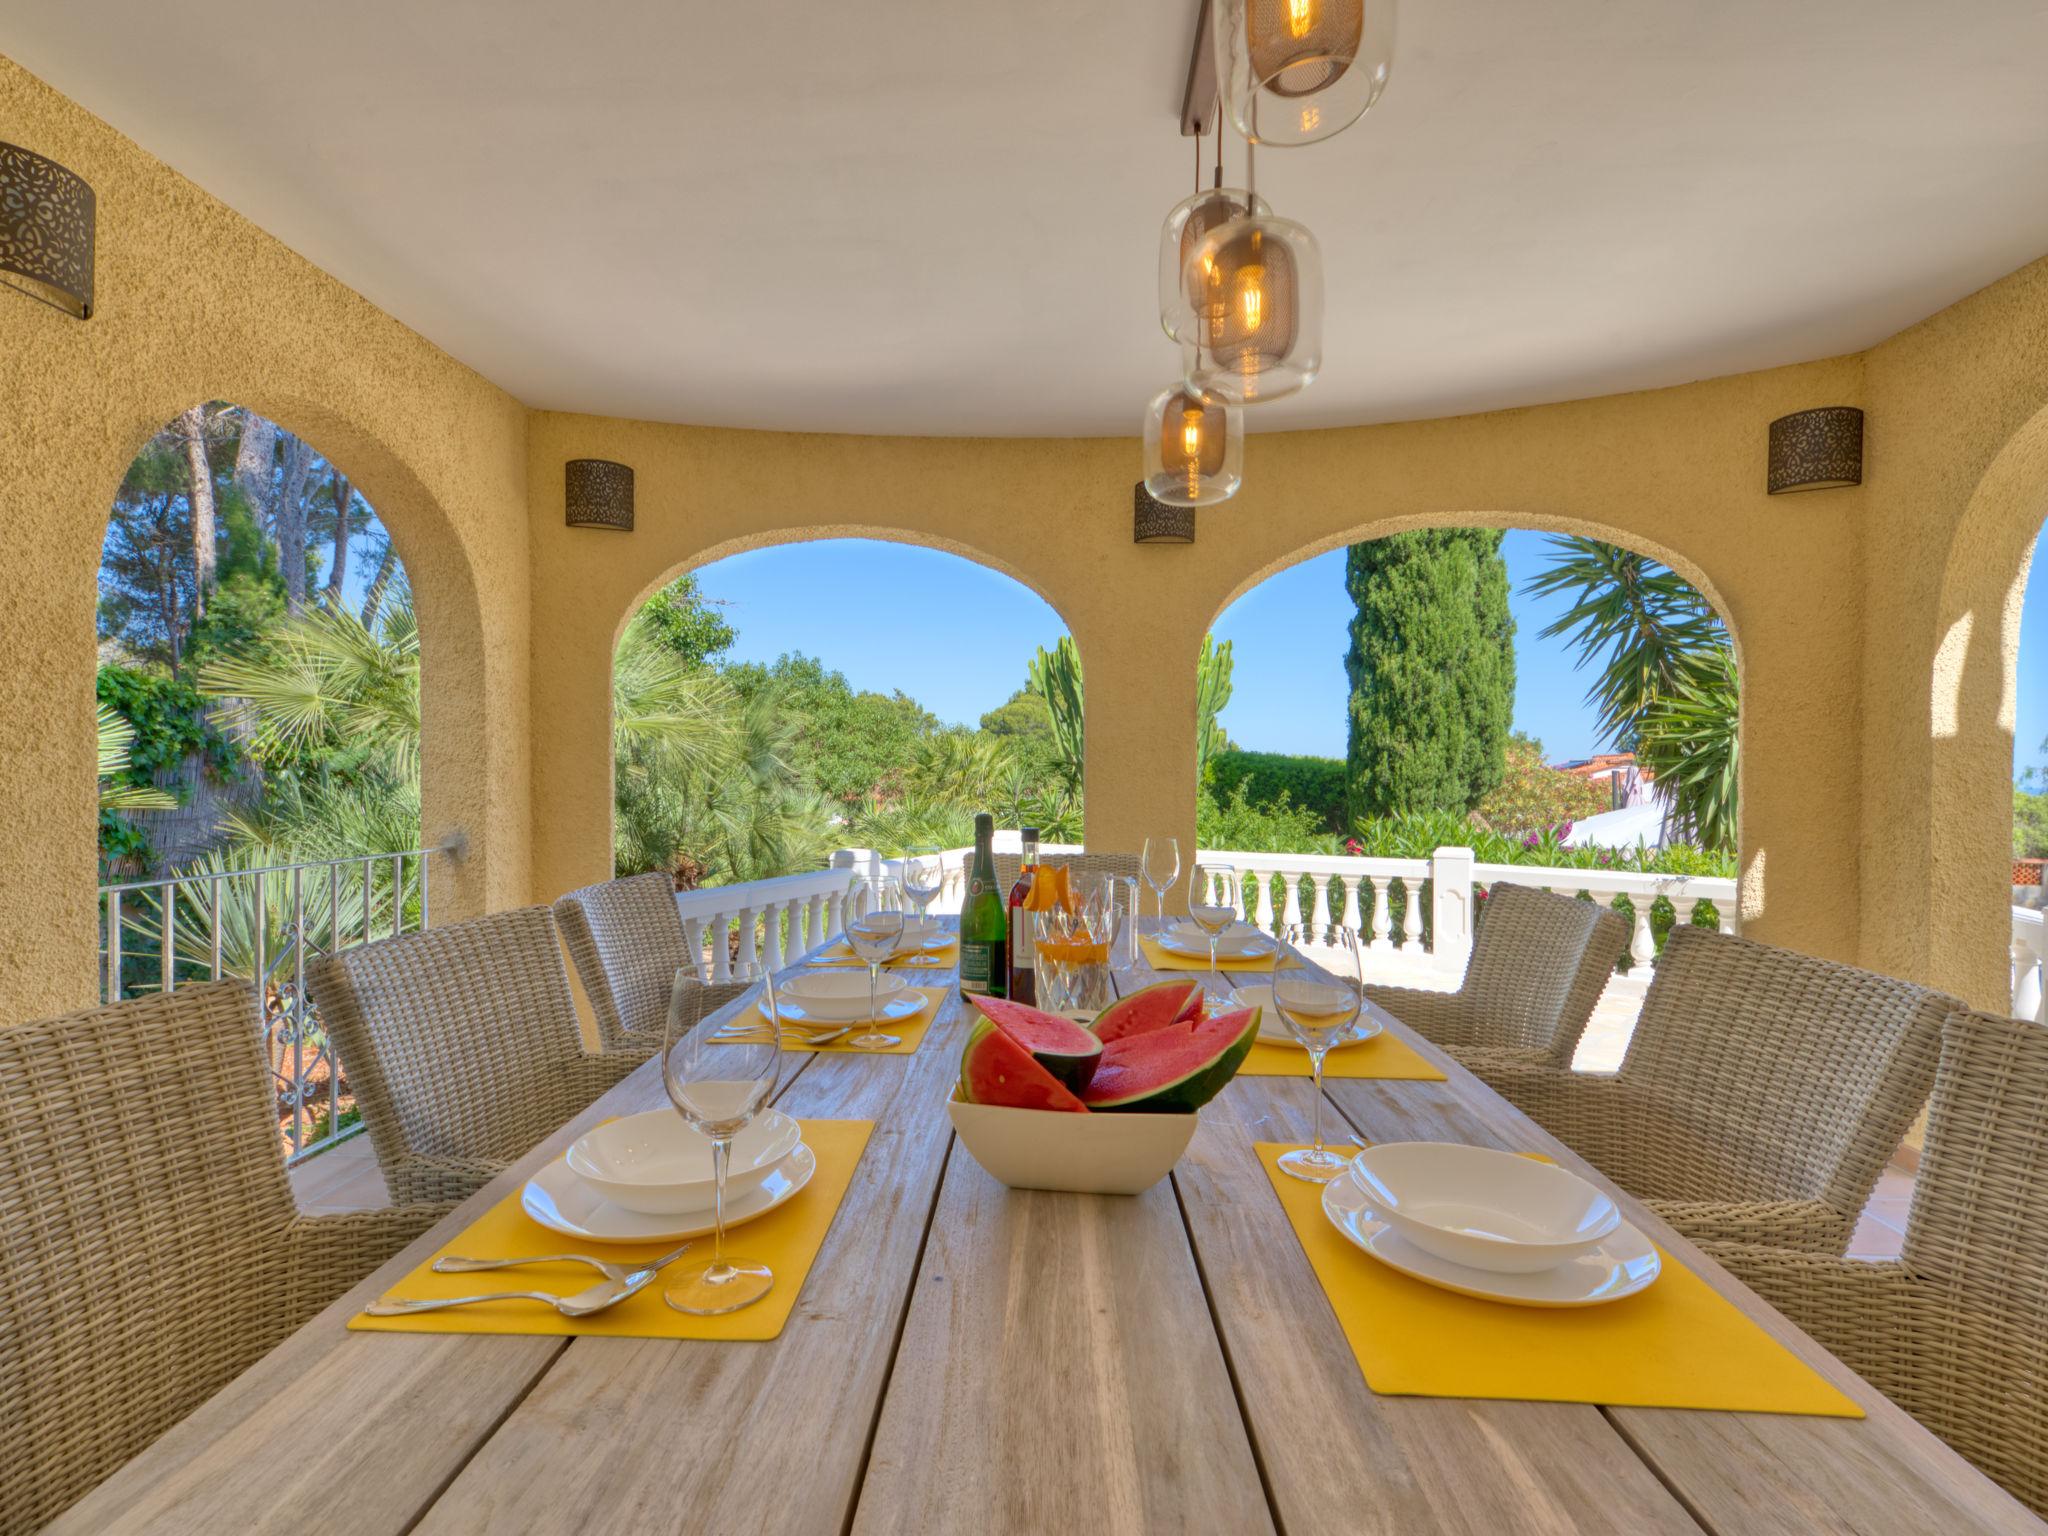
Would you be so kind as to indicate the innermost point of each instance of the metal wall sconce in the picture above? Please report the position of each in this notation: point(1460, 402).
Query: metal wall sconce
point(599, 494)
point(1817, 450)
point(1154, 522)
point(46, 223)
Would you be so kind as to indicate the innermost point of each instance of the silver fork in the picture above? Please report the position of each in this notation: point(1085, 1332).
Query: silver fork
point(606, 1293)
point(454, 1264)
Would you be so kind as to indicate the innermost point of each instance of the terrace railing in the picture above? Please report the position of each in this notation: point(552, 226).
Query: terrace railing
point(265, 926)
point(776, 919)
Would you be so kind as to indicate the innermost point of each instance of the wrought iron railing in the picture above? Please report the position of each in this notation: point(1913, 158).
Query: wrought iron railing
point(265, 925)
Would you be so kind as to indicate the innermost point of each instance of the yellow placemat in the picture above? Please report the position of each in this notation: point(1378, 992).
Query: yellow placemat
point(787, 1240)
point(1163, 959)
point(909, 1032)
point(840, 954)
point(1384, 1055)
point(1679, 1344)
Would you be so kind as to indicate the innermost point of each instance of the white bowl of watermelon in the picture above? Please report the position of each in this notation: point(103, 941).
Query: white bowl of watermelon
point(1101, 1109)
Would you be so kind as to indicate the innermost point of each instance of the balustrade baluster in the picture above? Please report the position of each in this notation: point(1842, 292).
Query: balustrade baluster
point(1319, 908)
point(1265, 917)
point(771, 950)
point(1290, 901)
point(1411, 920)
point(1382, 913)
point(1642, 944)
point(2028, 994)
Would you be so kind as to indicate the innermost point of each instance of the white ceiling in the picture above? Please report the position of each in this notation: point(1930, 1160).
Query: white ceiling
point(939, 216)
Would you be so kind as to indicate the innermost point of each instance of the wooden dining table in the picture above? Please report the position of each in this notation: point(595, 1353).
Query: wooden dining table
point(969, 1358)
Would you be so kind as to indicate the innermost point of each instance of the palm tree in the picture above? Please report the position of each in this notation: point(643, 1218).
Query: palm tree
point(1666, 686)
point(116, 741)
point(1056, 677)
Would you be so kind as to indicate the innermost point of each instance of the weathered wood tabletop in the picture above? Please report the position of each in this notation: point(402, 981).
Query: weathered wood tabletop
point(966, 1358)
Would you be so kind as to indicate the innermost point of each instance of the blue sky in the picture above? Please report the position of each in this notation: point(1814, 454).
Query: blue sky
point(957, 637)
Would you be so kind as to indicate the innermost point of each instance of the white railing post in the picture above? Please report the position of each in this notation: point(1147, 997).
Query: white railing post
point(1382, 912)
point(1290, 902)
point(1265, 884)
point(1319, 908)
point(1450, 873)
point(1642, 944)
point(771, 945)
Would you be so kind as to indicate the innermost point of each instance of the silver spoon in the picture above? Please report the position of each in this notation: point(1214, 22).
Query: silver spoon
point(606, 1293)
point(455, 1265)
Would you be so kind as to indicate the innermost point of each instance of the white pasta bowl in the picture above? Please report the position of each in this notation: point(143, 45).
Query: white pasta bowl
point(840, 997)
point(654, 1164)
point(1484, 1209)
point(1085, 1154)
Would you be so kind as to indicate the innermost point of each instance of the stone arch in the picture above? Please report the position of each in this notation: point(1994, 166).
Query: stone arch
point(1972, 690)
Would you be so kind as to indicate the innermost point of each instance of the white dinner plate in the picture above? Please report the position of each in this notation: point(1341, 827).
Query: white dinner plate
point(1621, 1266)
point(908, 1006)
point(1238, 942)
point(1274, 1029)
point(840, 993)
point(563, 1203)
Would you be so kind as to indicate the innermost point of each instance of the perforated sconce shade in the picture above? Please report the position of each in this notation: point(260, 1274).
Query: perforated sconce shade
point(1297, 71)
point(1154, 522)
point(599, 494)
point(1817, 450)
point(46, 231)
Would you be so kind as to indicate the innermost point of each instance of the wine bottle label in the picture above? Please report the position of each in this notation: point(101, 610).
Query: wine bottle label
point(975, 966)
point(1021, 957)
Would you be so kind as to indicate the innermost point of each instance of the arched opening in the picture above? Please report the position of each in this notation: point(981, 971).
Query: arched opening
point(2030, 800)
point(1563, 706)
point(258, 704)
point(774, 704)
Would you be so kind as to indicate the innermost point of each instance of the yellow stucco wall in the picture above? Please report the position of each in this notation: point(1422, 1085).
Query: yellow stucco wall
point(1875, 626)
point(1677, 472)
point(196, 303)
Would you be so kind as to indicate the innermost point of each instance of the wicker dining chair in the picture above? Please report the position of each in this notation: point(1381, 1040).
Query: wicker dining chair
point(1080, 866)
point(152, 1248)
point(1761, 1095)
point(462, 1047)
point(627, 941)
point(1956, 1330)
point(1538, 966)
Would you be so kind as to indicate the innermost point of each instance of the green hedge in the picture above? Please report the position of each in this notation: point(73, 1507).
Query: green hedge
point(1315, 784)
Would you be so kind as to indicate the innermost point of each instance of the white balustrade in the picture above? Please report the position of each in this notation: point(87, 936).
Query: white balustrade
point(776, 920)
point(2029, 956)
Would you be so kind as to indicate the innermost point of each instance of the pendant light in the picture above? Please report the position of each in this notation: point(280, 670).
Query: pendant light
point(1297, 71)
point(1194, 448)
point(1258, 334)
point(1186, 226)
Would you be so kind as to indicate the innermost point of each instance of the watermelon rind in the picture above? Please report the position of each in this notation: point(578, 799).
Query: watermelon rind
point(1191, 1089)
point(1147, 1009)
point(995, 1069)
point(1066, 1050)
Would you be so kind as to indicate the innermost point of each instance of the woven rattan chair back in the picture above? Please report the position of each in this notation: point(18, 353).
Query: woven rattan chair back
point(1080, 866)
point(1971, 1358)
point(462, 1046)
point(1539, 964)
point(627, 941)
point(1779, 1070)
point(146, 1219)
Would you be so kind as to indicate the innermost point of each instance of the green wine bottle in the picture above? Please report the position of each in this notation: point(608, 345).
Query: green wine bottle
point(984, 931)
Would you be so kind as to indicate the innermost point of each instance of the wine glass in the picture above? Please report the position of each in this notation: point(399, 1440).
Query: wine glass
point(874, 937)
point(1212, 901)
point(1161, 864)
point(718, 1089)
point(1318, 1004)
point(924, 874)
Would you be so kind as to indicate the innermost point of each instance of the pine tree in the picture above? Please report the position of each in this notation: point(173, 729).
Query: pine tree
point(1432, 671)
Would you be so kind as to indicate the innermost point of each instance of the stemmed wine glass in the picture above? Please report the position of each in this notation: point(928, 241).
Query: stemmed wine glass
point(874, 937)
point(1161, 864)
point(718, 1089)
point(1318, 1004)
point(924, 875)
point(1212, 901)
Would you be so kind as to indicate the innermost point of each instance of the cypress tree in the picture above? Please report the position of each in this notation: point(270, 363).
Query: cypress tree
point(1432, 671)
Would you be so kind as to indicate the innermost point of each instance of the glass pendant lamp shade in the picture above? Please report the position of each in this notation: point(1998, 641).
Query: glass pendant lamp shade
point(1194, 449)
point(1191, 220)
point(1297, 71)
point(1258, 333)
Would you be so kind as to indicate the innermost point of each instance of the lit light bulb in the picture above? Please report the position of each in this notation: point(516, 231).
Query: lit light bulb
point(1191, 434)
point(1301, 16)
point(1311, 119)
point(1251, 296)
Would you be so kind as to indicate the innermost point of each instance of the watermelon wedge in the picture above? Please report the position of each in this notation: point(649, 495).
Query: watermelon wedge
point(1147, 1009)
point(1061, 1046)
point(1176, 1070)
point(994, 1069)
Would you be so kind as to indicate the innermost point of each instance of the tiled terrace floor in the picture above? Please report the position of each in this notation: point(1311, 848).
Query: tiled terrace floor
point(346, 1178)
